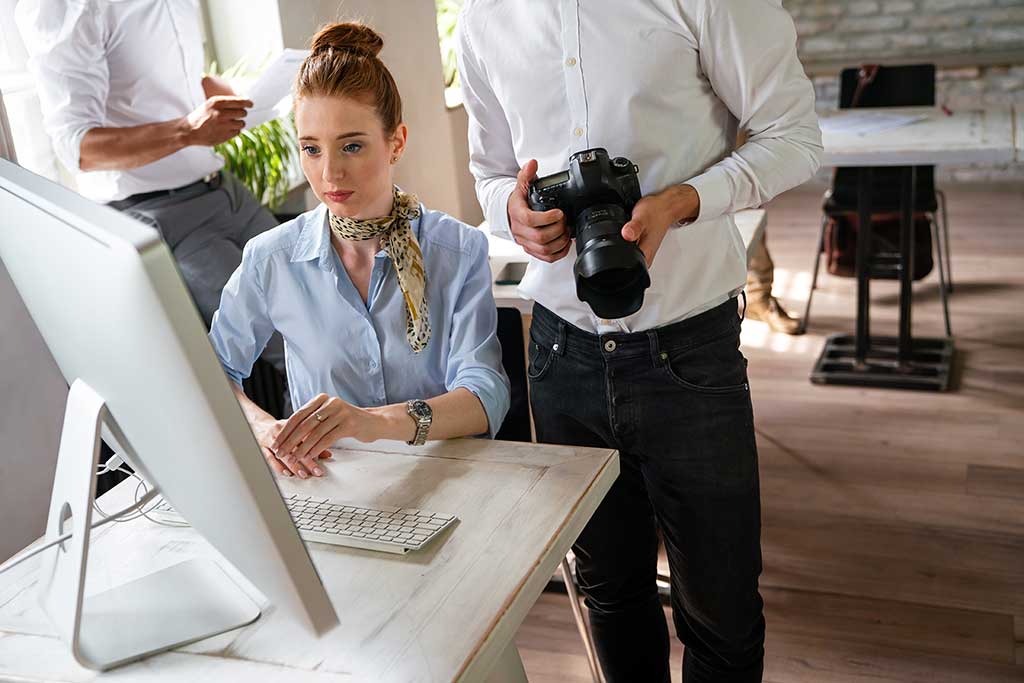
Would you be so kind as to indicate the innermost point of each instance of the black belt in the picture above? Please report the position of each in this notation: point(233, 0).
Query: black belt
point(211, 182)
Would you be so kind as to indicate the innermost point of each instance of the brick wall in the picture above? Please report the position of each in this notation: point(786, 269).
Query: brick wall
point(980, 42)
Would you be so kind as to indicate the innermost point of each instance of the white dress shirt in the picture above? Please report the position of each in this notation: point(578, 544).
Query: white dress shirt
point(117, 63)
point(666, 83)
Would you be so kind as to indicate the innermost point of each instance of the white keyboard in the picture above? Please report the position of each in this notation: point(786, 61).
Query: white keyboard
point(322, 520)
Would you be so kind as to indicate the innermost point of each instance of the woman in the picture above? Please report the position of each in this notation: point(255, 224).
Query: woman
point(385, 307)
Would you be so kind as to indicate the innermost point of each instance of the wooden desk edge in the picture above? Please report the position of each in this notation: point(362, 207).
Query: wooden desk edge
point(483, 658)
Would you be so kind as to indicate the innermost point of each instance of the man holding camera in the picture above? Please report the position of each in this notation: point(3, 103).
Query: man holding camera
point(666, 84)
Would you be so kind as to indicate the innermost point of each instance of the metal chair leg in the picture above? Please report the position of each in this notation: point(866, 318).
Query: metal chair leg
point(581, 622)
point(814, 276)
point(945, 229)
point(942, 277)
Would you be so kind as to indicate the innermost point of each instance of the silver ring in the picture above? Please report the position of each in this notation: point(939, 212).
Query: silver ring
point(319, 417)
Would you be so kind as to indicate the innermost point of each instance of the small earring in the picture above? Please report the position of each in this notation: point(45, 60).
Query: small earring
point(394, 160)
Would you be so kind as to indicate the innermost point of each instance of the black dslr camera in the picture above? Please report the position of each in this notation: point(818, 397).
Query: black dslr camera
point(597, 196)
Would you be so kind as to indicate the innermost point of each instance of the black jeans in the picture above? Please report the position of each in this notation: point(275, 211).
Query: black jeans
point(675, 402)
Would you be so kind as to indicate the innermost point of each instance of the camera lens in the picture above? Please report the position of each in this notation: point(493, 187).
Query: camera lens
point(611, 273)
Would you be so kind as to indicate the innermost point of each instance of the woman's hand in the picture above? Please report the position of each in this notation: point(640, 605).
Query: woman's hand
point(311, 430)
point(266, 431)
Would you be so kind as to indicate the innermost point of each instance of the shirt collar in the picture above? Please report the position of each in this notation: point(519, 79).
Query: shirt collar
point(315, 238)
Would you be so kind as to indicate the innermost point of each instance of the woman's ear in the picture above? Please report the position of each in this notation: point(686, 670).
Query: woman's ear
point(398, 140)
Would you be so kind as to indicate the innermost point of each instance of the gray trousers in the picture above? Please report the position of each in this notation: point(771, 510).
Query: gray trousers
point(206, 227)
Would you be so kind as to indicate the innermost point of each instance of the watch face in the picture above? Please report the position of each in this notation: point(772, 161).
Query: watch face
point(421, 410)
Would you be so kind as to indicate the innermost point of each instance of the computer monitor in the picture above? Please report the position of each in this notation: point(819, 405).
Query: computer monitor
point(108, 300)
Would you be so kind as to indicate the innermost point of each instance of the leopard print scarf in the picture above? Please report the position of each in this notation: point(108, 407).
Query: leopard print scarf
point(399, 243)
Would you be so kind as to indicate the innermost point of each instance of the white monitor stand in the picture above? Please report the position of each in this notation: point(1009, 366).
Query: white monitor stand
point(186, 602)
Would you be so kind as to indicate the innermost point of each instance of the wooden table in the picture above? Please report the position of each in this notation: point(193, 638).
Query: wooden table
point(449, 612)
point(963, 137)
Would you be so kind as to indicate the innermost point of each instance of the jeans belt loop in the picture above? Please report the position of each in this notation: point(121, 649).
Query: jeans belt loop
point(656, 356)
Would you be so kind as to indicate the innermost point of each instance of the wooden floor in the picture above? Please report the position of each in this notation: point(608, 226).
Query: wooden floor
point(893, 521)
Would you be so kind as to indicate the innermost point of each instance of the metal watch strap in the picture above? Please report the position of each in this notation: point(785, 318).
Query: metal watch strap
point(422, 426)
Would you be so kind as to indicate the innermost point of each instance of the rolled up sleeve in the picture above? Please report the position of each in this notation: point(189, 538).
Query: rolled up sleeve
point(241, 326)
point(492, 159)
point(763, 84)
point(65, 42)
point(474, 360)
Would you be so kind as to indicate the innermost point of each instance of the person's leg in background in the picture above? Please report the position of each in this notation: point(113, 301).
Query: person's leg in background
point(207, 257)
point(617, 552)
point(206, 231)
point(761, 305)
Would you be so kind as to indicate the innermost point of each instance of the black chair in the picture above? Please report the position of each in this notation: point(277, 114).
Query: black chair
point(266, 387)
point(892, 86)
point(516, 426)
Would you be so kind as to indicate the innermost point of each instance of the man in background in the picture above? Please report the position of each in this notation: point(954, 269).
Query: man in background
point(131, 115)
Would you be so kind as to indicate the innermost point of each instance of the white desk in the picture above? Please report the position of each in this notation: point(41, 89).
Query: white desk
point(449, 612)
point(751, 225)
point(966, 137)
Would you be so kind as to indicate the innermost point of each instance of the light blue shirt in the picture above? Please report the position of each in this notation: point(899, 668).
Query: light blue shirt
point(292, 280)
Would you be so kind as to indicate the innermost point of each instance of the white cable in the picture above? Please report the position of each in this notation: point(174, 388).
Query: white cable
point(18, 559)
point(142, 512)
point(113, 464)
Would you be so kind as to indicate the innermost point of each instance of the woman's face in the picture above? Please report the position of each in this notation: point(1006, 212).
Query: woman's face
point(347, 156)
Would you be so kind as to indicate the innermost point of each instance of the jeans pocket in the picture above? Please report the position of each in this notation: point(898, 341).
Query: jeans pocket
point(712, 367)
point(541, 357)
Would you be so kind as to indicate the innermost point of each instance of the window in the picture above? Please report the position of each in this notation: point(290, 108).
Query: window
point(447, 17)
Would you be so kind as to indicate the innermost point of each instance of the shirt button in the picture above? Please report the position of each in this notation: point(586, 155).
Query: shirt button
point(578, 132)
point(609, 346)
point(571, 61)
point(373, 365)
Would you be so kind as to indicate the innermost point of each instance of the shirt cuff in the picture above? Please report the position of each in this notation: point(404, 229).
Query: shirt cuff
point(69, 148)
point(715, 192)
point(498, 223)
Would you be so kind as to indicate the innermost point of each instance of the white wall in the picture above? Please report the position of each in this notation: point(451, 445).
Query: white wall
point(240, 29)
point(32, 397)
point(468, 205)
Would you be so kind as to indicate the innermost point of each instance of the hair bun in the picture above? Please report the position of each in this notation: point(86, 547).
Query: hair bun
point(348, 37)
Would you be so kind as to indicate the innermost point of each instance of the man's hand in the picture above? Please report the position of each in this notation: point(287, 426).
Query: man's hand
point(215, 85)
point(656, 213)
point(217, 120)
point(542, 234)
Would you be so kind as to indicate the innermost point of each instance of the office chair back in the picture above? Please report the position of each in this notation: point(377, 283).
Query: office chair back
point(516, 426)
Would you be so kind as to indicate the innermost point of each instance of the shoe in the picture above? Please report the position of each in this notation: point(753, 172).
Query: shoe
point(769, 310)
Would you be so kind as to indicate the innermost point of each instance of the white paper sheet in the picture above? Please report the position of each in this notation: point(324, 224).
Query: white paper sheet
point(271, 92)
point(866, 122)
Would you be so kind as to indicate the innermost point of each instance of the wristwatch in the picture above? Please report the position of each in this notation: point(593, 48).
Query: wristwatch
point(422, 415)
